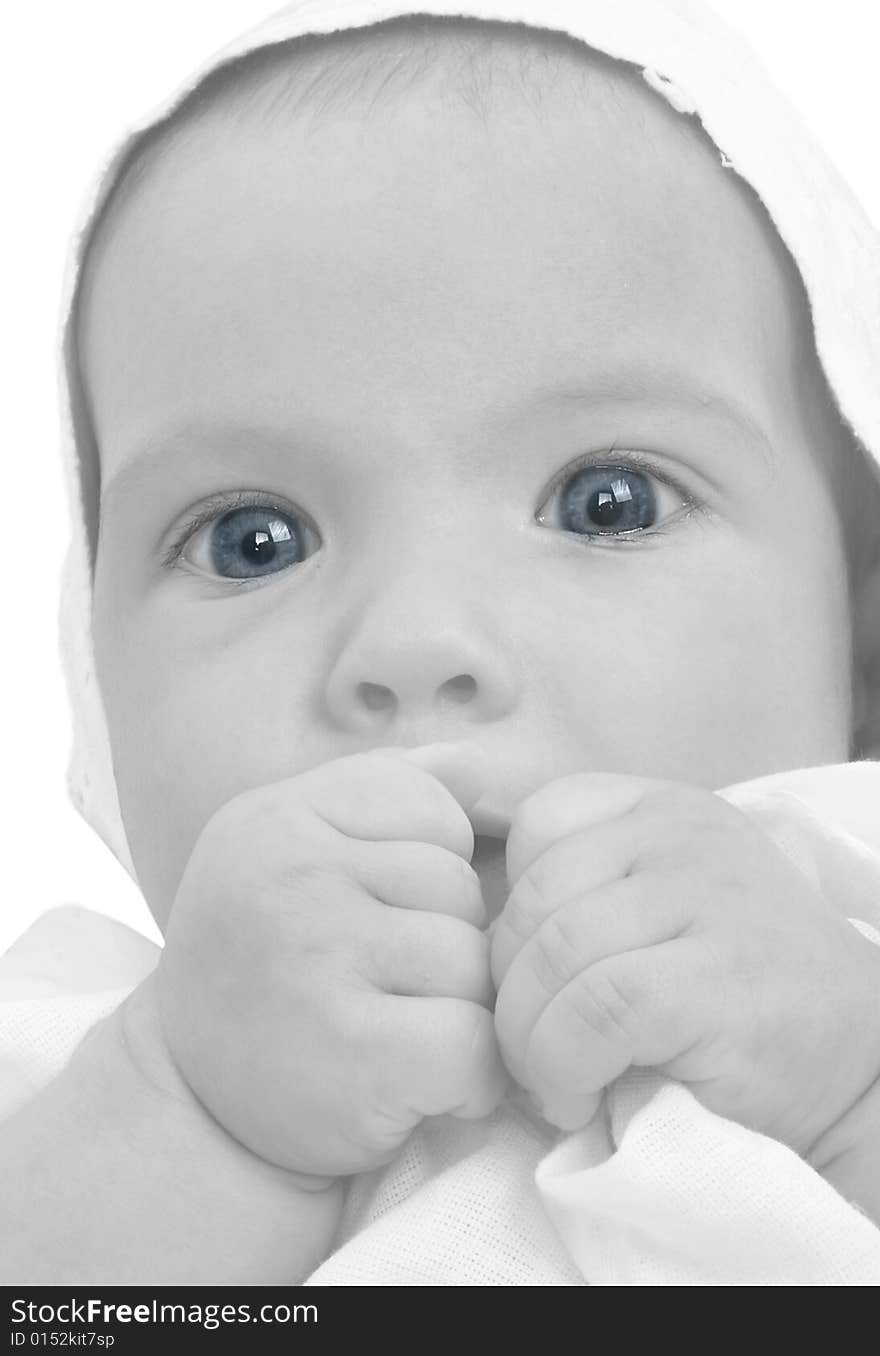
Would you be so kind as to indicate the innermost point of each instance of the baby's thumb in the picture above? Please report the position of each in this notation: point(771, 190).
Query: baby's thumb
point(460, 766)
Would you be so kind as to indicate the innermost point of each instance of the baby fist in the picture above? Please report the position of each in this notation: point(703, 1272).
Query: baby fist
point(652, 924)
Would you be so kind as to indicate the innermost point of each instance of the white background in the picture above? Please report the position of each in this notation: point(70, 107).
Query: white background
point(74, 75)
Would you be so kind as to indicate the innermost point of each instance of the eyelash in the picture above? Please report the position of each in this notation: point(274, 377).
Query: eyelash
point(215, 507)
point(627, 460)
point(219, 504)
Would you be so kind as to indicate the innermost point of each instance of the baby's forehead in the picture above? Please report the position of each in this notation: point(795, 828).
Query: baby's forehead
point(578, 146)
point(497, 75)
point(496, 79)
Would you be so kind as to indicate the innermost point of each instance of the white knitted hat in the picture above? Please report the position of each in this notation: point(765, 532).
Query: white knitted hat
point(692, 60)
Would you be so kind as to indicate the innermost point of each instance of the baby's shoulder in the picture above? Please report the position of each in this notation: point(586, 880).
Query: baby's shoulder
point(72, 950)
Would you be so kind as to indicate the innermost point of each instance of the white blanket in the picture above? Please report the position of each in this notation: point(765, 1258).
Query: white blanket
point(658, 1192)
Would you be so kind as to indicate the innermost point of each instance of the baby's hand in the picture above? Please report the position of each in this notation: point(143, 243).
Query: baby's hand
point(651, 923)
point(325, 983)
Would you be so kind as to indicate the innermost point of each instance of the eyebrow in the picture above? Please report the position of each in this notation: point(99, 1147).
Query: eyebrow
point(669, 391)
point(654, 389)
point(172, 439)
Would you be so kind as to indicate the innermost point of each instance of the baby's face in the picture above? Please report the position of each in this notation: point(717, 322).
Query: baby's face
point(427, 426)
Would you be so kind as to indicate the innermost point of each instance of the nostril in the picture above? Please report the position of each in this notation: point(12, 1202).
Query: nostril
point(375, 697)
point(462, 688)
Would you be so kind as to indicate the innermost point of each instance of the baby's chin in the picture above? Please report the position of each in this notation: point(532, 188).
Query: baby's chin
point(489, 863)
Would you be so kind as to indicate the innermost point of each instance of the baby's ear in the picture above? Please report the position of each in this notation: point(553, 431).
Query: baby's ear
point(866, 660)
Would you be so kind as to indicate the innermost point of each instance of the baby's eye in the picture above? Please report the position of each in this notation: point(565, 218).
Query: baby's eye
point(602, 501)
point(248, 542)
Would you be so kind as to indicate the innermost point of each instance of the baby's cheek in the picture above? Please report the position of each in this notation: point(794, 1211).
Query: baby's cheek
point(200, 715)
point(184, 744)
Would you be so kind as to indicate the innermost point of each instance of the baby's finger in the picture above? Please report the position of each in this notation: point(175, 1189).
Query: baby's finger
point(420, 876)
point(567, 872)
point(625, 916)
point(594, 802)
point(461, 766)
point(642, 1008)
point(567, 806)
point(389, 794)
point(434, 1056)
point(431, 956)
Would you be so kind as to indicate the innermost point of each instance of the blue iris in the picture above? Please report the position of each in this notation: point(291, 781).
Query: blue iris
point(249, 542)
point(601, 500)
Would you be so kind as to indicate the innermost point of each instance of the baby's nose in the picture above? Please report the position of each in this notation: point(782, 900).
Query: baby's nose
point(380, 679)
point(460, 690)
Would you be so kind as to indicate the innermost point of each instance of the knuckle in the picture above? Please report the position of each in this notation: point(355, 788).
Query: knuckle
point(556, 957)
point(600, 1002)
point(525, 907)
